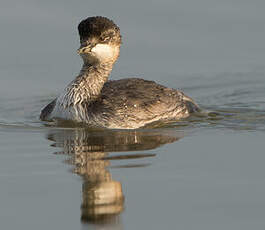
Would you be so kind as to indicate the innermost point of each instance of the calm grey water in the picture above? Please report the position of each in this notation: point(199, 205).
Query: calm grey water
point(201, 173)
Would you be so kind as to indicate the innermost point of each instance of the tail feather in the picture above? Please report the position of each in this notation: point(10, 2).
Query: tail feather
point(191, 105)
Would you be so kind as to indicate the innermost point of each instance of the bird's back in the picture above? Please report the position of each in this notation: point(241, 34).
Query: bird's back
point(133, 103)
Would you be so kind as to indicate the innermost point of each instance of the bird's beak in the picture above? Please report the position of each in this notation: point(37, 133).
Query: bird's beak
point(84, 48)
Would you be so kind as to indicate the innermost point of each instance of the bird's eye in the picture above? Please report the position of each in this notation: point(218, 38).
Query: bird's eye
point(105, 39)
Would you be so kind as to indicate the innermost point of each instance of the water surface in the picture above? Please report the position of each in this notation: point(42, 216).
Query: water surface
point(205, 172)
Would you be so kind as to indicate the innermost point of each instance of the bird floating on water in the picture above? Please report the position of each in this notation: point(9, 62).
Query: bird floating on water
point(129, 103)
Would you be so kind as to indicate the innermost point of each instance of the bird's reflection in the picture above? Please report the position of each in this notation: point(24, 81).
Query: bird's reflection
point(102, 196)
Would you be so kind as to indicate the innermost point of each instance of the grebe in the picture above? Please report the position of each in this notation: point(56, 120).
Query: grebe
point(122, 104)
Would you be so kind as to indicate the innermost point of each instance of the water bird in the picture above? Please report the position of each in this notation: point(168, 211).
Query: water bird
point(128, 103)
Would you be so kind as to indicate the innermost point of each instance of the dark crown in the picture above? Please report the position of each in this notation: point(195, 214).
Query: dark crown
point(95, 26)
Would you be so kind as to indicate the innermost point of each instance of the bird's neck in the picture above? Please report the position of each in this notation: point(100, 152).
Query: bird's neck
point(86, 87)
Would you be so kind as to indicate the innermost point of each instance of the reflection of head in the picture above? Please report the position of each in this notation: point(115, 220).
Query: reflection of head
point(102, 196)
point(101, 201)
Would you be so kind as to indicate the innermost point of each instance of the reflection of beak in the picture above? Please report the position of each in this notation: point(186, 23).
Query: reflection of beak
point(84, 49)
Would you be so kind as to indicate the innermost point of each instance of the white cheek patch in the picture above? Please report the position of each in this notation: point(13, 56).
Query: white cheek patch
point(103, 51)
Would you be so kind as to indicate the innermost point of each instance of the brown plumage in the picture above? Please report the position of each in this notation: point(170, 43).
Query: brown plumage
point(128, 103)
point(134, 102)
